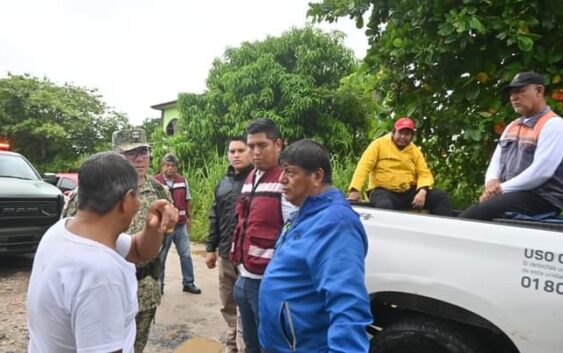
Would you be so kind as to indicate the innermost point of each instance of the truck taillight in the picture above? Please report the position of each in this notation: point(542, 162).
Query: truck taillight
point(4, 146)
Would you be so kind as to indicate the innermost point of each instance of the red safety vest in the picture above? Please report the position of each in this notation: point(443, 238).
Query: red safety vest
point(260, 220)
point(178, 191)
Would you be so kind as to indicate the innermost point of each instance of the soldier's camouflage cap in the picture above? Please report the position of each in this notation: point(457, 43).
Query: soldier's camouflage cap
point(127, 140)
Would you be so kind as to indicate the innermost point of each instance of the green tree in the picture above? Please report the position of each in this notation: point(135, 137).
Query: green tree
point(293, 79)
point(53, 125)
point(443, 62)
point(150, 125)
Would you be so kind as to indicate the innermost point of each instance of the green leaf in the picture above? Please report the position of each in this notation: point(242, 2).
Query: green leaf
point(469, 81)
point(477, 25)
point(359, 22)
point(485, 114)
point(446, 30)
point(398, 42)
point(473, 134)
point(525, 43)
point(555, 57)
point(460, 26)
point(472, 93)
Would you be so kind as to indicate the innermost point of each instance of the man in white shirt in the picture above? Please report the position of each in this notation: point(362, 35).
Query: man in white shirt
point(525, 174)
point(82, 295)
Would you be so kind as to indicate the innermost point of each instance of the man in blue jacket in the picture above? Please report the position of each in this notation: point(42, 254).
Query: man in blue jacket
point(312, 296)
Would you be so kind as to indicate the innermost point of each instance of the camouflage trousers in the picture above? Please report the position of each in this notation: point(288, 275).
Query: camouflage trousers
point(144, 319)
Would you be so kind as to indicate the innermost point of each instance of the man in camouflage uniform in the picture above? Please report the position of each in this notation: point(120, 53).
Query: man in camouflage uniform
point(132, 144)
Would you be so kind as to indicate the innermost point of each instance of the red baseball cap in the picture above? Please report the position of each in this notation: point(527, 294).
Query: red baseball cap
point(405, 123)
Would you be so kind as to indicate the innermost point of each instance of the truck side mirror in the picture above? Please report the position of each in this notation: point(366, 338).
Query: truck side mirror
point(51, 178)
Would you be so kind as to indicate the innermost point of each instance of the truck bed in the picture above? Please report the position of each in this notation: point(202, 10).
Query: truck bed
point(508, 276)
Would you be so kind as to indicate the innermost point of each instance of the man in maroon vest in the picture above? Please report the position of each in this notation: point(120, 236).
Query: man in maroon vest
point(525, 174)
point(180, 191)
point(261, 213)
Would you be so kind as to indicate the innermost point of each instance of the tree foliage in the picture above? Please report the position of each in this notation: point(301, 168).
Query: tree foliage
point(293, 79)
point(443, 62)
point(150, 125)
point(54, 125)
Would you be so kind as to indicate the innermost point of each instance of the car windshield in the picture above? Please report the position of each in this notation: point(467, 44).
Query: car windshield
point(16, 167)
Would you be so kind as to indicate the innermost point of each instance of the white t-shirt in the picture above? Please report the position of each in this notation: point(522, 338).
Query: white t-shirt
point(82, 295)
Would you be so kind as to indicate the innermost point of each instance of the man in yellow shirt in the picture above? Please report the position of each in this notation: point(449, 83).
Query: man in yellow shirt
point(398, 175)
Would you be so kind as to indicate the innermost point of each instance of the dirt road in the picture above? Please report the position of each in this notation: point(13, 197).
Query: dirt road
point(183, 316)
point(185, 323)
point(14, 277)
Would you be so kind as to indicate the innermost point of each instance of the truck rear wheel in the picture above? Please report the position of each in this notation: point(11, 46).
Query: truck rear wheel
point(424, 335)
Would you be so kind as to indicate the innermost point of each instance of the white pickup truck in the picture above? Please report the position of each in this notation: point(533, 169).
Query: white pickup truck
point(446, 285)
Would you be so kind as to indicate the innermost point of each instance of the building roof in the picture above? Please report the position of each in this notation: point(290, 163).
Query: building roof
point(165, 105)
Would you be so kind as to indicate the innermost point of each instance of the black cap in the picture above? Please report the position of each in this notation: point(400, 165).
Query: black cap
point(522, 79)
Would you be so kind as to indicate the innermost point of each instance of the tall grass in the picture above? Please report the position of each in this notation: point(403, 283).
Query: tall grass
point(203, 180)
point(342, 170)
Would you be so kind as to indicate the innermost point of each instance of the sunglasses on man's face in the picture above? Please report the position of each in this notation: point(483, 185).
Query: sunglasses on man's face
point(144, 152)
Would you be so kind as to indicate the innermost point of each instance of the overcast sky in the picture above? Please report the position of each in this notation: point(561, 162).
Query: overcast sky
point(138, 53)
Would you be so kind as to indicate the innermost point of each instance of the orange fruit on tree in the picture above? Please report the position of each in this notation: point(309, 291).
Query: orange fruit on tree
point(482, 77)
point(499, 127)
point(557, 95)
